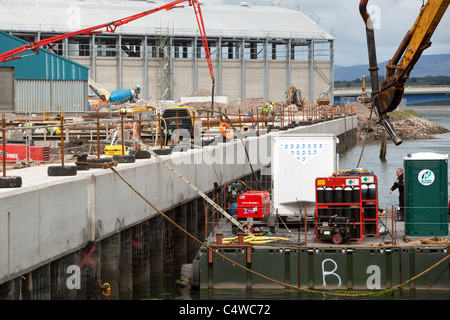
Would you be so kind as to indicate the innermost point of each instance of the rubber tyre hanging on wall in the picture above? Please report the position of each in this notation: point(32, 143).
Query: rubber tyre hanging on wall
point(185, 276)
point(124, 158)
point(59, 171)
point(195, 275)
point(11, 182)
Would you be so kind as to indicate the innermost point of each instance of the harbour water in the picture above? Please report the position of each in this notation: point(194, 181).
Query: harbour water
point(167, 289)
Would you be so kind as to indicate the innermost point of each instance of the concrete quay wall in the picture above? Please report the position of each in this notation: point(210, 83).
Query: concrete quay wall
point(51, 217)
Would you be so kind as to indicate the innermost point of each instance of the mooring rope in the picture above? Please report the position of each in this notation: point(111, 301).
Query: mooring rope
point(287, 285)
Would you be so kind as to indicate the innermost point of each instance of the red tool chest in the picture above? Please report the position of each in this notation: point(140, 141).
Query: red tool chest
point(254, 204)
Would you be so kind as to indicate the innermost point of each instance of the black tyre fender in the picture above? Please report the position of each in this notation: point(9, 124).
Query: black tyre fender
point(162, 152)
point(11, 182)
point(124, 158)
point(142, 154)
point(55, 171)
point(270, 129)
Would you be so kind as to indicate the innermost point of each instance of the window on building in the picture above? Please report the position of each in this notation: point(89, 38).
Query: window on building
point(322, 51)
point(254, 50)
point(106, 46)
point(182, 49)
point(131, 47)
point(79, 46)
point(231, 49)
point(299, 52)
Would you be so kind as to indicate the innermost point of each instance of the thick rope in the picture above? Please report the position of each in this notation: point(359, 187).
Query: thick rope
point(366, 294)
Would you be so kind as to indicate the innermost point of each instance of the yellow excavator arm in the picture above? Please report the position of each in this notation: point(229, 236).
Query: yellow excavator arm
point(418, 38)
point(389, 95)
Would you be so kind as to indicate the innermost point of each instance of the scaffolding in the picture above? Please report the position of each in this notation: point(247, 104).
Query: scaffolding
point(164, 74)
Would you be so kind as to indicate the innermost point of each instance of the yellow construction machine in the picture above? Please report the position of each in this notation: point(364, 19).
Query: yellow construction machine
point(295, 97)
point(103, 97)
point(179, 117)
point(363, 98)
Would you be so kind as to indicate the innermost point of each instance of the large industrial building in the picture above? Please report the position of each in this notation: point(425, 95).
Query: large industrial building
point(256, 51)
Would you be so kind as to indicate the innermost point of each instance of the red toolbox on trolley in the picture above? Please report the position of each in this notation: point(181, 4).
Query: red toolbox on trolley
point(254, 204)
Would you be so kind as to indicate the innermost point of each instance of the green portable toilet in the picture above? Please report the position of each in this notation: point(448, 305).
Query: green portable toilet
point(426, 194)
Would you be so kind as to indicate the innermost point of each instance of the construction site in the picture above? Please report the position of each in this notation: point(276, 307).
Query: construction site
point(149, 62)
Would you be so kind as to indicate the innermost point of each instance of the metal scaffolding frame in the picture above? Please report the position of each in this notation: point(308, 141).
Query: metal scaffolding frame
point(164, 72)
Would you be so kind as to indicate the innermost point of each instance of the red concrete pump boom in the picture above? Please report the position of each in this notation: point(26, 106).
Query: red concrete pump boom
point(111, 27)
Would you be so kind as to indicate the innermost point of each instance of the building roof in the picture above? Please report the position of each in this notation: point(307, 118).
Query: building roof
point(236, 21)
point(44, 66)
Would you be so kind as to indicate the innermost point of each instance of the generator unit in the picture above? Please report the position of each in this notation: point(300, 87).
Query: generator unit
point(335, 229)
point(254, 204)
point(347, 204)
point(337, 198)
point(254, 209)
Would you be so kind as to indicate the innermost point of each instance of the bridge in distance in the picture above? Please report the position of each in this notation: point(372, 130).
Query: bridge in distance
point(413, 94)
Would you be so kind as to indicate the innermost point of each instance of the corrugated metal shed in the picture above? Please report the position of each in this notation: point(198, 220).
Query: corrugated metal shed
point(44, 66)
point(45, 81)
point(220, 20)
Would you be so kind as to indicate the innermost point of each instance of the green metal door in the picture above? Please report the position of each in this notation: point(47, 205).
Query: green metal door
point(426, 195)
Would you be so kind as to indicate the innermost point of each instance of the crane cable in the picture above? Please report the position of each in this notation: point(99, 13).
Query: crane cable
point(365, 137)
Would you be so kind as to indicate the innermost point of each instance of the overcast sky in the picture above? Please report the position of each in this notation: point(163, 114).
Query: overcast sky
point(393, 18)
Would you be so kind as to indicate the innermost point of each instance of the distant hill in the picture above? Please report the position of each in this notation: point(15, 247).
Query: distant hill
point(428, 65)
